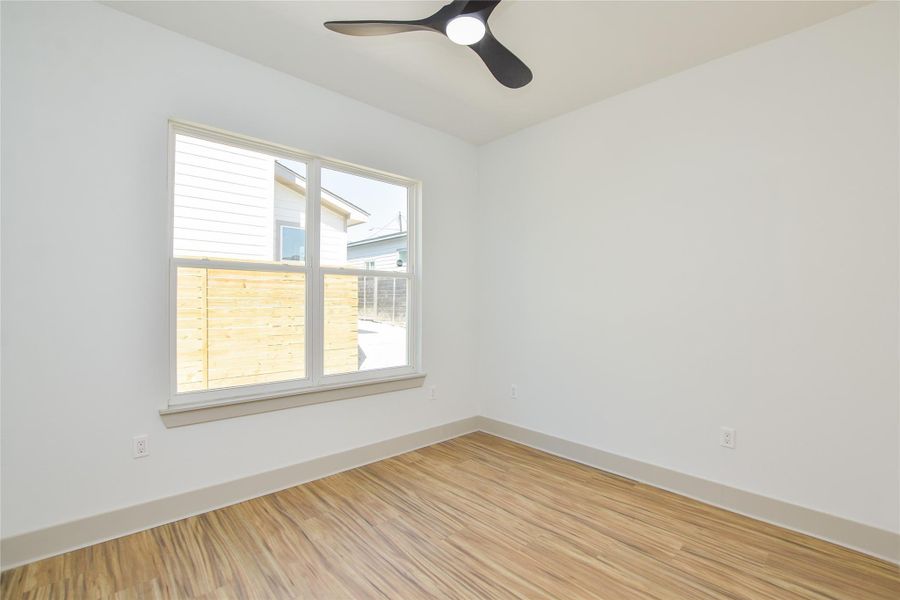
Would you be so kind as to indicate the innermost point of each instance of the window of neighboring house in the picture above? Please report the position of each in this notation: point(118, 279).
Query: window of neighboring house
point(291, 243)
point(268, 297)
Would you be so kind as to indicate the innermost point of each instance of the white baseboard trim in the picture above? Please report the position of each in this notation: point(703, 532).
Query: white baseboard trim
point(34, 545)
point(57, 539)
point(851, 534)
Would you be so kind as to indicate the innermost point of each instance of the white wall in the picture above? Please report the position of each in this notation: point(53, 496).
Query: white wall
point(86, 92)
point(719, 247)
point(716, 248)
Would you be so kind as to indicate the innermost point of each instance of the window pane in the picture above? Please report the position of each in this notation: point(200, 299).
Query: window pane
point(237, 204)
point(237, 327)
point(364, 222)
point(293, 243)
point(365, 323)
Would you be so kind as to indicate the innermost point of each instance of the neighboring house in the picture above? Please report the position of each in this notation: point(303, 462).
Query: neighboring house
point(290, 219)
point(237, 203)
point(383, 253)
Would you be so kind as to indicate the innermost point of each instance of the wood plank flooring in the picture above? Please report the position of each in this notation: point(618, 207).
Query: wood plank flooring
point(474, 517)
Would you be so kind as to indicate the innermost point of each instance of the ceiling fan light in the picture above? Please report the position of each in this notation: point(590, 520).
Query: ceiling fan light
point(465, 31)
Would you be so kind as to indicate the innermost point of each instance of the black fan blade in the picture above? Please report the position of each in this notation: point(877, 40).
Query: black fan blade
point(484, 8)
point(375, 27)
point(505, 66)
point(436, 22)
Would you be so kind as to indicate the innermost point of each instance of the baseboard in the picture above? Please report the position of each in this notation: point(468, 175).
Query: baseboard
point(851, 534)
point(57, 539)
point(27, 547)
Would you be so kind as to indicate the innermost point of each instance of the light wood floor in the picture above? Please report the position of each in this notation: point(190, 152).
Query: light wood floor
point(475, 517)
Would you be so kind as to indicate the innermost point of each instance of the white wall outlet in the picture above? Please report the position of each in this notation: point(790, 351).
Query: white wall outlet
point(726, 437)
point(433, 393)
point(514, 392)
point(140, 446)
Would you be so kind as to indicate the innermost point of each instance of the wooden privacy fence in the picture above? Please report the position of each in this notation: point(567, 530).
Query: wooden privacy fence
point(237, 327)
point(341, 324)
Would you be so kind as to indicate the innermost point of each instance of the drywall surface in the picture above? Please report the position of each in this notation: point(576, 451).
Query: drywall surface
point(716, 248)
point(86, 95)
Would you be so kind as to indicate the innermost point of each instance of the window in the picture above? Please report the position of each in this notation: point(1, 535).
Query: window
point(291, 243)
point(286, 273)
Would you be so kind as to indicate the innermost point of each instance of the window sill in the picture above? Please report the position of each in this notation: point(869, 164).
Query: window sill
point(177, 416)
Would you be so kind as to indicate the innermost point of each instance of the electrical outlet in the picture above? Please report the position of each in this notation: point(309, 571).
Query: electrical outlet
point(514, 392)
point(434, 392)
point(140, 446)
point(726, 437)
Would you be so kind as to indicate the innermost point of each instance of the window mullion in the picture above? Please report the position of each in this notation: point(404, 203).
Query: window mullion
point(235, 265)
point(315, 311)
point(365, 272)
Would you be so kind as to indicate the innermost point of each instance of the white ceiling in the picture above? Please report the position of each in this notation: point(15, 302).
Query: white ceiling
point(580, 52)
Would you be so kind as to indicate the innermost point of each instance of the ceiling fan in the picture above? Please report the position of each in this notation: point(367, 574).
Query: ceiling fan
point(465, 23)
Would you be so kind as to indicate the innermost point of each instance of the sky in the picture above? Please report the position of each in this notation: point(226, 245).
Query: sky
point(383, 201)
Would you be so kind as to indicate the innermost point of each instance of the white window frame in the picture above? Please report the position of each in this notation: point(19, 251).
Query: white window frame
point(315, 380)
point(279, 242)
